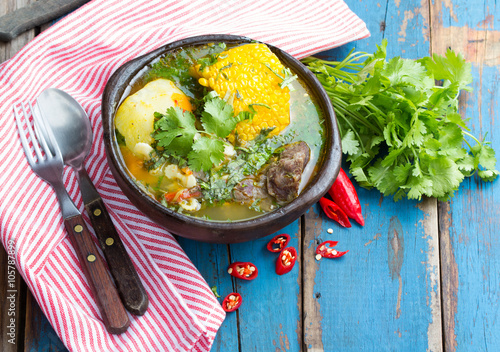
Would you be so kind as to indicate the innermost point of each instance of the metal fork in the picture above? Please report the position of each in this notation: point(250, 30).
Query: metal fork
point(49, 166)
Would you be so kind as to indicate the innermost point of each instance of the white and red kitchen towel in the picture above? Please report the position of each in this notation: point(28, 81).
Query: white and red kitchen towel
point(78, 54)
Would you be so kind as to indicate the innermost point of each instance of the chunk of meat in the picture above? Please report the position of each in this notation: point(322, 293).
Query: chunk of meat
point(284, 175)
point(244, 191)
point(278, 182)
point(251, 189)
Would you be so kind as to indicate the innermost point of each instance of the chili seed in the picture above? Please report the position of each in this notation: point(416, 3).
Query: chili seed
point(318, 256)
point(329, 230)
point(252, 268)
point(231, 297)
point(334, 252)
point(230, 270)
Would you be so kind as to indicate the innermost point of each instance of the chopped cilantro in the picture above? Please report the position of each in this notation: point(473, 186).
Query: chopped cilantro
point(119, 138)
point(209, 60)
point(176, 67)
point(226, 67)
point(248, 161)
point(286, 76)
point(214, 290)
point(258, 104)
point(212, 56)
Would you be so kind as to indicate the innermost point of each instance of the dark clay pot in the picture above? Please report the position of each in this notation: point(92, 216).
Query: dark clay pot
point(213, 231)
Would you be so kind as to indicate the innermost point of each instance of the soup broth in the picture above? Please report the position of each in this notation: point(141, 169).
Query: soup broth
point(198, 181)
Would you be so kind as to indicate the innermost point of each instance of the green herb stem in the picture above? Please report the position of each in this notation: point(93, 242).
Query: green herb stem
point(342, 106)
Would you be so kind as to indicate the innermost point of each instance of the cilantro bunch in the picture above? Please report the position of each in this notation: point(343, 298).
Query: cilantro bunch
point(179, 133)
point(399, 122)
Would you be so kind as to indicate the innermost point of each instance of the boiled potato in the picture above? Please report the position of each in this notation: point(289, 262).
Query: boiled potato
point(135, 116)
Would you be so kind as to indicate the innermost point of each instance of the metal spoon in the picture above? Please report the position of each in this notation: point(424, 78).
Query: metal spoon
point(73, 133)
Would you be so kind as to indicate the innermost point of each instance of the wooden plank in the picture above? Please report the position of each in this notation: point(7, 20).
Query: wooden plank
point(7, 50)
point(212, 261)
point(385, 289)
point(469, 223)
point(385, 293)
point(270, 318)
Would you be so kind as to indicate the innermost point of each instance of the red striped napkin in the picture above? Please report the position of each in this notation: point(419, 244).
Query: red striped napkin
point(78, 54)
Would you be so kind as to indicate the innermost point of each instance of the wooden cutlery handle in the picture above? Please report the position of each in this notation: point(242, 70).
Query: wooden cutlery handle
point(112, 311)
point(127, 281)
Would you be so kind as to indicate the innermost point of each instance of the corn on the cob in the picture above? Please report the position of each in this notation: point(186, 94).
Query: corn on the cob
point(251, 73)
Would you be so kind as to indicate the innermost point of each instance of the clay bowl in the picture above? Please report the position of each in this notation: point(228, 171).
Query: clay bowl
point(215, 231)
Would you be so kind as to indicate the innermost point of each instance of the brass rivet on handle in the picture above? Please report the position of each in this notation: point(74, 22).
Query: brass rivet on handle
point(97, 212)
point(91, 258)
point(78, 228)
point(110, 241)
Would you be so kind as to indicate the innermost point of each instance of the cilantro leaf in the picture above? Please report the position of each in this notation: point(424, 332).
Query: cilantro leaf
point(350, 144)
point(206, 153)
point(175, 131)
point(217, 117)
point(452, 67)
point(484, 156)
point(417, 186)
point(446, 177)
point(407, 72)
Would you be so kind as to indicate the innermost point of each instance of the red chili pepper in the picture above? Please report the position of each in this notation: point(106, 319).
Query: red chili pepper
point(344, 194)
point(286, 260)
point(325, 250)
point(278, 243)
point(243, 270)
point(232, 302)
point(333, 211)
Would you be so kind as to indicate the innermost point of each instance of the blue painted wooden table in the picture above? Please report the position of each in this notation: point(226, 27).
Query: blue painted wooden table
point(420, 276)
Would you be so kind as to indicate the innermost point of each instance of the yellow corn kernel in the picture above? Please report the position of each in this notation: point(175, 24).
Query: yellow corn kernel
point(203, 82)
point(246, 72)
